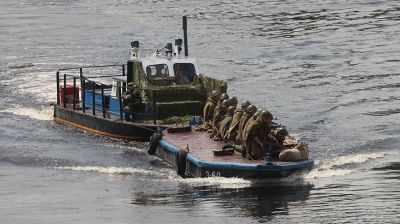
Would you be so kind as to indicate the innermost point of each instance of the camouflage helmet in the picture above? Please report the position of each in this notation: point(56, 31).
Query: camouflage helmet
point(245, 104)
point(233, 100)
point(224, 96)
point(231, 109)
point(225, 103)
point(266, 114)
point(214, 94)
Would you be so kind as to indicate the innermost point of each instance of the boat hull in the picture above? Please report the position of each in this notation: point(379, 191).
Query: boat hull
point(104, 126)
point(201, 168)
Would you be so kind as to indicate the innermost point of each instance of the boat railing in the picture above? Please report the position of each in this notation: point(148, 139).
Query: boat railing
point(96, 95)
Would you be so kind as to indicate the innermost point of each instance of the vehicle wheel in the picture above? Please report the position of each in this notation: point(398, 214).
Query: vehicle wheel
point(153, 144)
point(181, 163)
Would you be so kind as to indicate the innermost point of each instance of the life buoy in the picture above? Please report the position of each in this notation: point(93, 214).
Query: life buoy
point(153, 144)
point(181, 163)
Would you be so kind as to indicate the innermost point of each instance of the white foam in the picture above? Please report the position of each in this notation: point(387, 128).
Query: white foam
point(327, 168)
point(40, 84)
point(315, 173)
point(352, 159)
point(115, 170)
point(35, 113)
point(221, 182)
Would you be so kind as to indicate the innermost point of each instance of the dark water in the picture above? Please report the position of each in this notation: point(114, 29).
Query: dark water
point(329, 70)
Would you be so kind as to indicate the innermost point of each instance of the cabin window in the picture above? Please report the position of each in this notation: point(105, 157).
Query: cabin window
point(159, 71)
point(184, 73)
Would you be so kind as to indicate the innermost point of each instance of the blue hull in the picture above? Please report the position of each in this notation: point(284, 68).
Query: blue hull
point(199, 168)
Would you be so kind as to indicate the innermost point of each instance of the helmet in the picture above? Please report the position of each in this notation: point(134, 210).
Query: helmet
point(214, 94)
point(251, 109)
point(225, 103)
point(126, 109)
point(281, 132)
point(224, 96)
point(233, 100)
point(265, 114)
point(245, 103)
point(231, 109)
point(131, 85)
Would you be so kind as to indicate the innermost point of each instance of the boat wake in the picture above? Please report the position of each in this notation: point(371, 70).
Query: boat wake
point(44, 114)
point(120, 170)
point(324, 169)
point(220, 182)
point(341, 165)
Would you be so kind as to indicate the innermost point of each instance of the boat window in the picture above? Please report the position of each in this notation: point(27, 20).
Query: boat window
point(159, 71)
point(184, 73)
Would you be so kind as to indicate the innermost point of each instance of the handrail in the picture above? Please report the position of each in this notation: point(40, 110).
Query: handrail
point(93, 66)
point(93, 86)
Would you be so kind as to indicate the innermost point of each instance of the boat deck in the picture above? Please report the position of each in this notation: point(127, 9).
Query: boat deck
point(202, 146)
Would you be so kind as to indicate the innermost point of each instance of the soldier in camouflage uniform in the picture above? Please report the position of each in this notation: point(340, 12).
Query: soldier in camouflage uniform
point(255, 134)
point(277, 140)
point(218, 117)
point(247, 127)
point(208, 111)
point(240, 145)
point(225, 123)
point(218, 113)
point(130, 98)
point(249, 112)
point(237, 115)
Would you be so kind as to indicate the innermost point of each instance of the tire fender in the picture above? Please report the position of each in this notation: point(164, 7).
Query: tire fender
point(181, 163)
point(153, 144)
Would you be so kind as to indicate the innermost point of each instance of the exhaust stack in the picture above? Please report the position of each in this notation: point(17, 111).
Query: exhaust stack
point(185, 38)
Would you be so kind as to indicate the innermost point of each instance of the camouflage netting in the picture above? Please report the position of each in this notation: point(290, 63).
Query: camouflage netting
point(176, 100)
point(175, 120)
point(180, 93)
point(165, 110)
point(211, 84)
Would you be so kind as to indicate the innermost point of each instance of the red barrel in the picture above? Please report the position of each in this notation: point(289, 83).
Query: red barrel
point(69, 97)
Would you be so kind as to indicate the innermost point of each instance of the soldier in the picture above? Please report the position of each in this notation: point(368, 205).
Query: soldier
point(249, 112)
point(225, 123)
point(218, 117)
point(208, 111)
point(255, 135)
point(217, 111)
point(130, 98)
point(237, 115)
point(277, 138)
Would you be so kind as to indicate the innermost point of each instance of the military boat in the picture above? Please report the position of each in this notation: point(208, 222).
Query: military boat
point(168, 81)
point(194, 154)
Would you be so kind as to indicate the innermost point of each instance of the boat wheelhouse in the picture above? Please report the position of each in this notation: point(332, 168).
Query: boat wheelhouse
point(168, 81)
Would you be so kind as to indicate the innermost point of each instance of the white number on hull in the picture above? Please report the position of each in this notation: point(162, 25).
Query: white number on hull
point(213, 174)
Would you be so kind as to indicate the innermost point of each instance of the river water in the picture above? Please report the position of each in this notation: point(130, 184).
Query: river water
point(328, 70)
